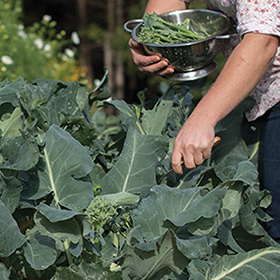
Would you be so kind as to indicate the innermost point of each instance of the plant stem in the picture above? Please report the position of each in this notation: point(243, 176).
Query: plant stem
point(255, 150)
point(67, 251)
point(140, 128)
point(38, 273)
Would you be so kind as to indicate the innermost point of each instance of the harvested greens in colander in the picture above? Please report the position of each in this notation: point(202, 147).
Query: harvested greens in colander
point(156, 30)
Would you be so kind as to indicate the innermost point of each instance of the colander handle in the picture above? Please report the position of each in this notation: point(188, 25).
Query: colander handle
point(130, 22)
point(226, 36)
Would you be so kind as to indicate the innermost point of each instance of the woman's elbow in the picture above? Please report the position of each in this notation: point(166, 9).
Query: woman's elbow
point(272, 45)
point(266, 43)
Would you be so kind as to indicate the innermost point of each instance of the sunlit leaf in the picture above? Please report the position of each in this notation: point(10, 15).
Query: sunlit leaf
point(67, 163)
point(134, 171)
point(256, 264)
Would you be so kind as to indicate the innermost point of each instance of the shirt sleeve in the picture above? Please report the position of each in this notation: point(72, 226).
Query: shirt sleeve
point(258, 16)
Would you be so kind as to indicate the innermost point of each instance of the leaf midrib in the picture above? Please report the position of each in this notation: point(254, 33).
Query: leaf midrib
point(51, 178)
point(244, 262)
point(130, 166)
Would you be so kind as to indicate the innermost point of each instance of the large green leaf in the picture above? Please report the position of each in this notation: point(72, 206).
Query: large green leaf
point(4, 272)
point(63, 273)
point(152, 211)
point(60, 106)
point(232, 200)
point(226, 237)
point(11, 127)
point(246, 172)
point(202, 206)
point(19, 153)
point(226, 157)
point(35, 181)
point(246, 175)
point(53, 102)
point(156, 264)
point(195, 247)
point(256, 264)
point(134, 171)
point(67, 163)
point(10, 235)
point(40, 251)
point(232, 149)
point(184, 207)
point(9, 91)
point(11, 193)
point(126, 112)
point(56, 215)
point(250, 223)
point(70, 230)
point(85, 271)
point(230, 126)
point(154, 121)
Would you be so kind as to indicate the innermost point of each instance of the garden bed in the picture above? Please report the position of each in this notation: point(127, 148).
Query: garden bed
point(89, 196)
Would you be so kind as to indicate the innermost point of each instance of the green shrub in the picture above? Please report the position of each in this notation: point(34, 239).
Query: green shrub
point(37, 51)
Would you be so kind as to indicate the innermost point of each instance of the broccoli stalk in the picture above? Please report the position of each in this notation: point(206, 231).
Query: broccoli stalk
point(158, 31)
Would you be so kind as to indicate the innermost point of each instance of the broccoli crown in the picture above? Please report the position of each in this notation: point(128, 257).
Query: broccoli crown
point(100, 212)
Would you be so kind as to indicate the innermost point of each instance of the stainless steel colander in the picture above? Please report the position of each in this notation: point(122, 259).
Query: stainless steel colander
point(192, 55)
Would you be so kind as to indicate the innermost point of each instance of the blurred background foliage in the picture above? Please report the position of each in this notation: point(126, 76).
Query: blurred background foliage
point(75, 40)
point(35, 51)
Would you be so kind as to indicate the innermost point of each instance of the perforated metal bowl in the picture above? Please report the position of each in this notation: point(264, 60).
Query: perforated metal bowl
point(192, 55)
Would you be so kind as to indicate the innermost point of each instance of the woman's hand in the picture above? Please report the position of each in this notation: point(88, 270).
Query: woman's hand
point(153, 63)
point(192, 145)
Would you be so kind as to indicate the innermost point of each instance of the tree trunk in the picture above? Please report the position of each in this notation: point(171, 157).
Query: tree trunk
point(108, 52)
point(119, 73)
point(85, 49)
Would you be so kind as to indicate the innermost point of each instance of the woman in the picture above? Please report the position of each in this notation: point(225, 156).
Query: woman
point(252, 68)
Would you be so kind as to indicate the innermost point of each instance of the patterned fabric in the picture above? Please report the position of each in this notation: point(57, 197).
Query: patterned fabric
point(259, 16)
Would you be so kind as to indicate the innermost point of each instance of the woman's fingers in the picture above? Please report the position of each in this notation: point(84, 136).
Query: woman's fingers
point(151, 64)
point(206, 153)
point(176, 161)
point(159, 68)
point(198, 158)
point(187, 158)
point(190, 155)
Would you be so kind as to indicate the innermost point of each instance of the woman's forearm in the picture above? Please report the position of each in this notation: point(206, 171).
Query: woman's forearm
point(242, 71)
point(163, 6)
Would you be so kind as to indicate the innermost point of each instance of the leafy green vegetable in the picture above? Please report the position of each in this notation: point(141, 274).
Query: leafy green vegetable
point(159, 31)
point(87, 196)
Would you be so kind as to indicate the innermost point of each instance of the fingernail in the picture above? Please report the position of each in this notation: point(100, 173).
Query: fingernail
point(171, 70)
point(157, 58)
